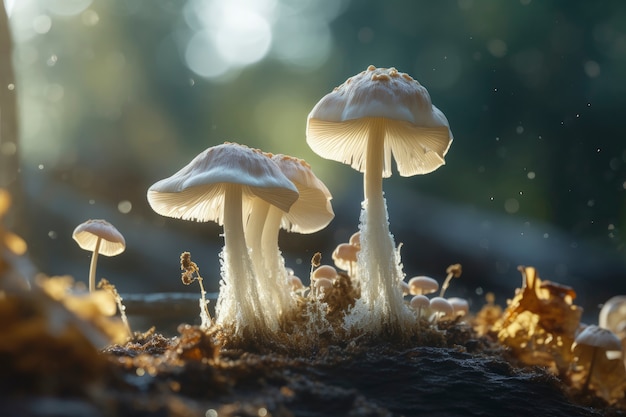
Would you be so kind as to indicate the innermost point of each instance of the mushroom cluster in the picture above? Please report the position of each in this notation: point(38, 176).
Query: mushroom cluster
point(251, 194)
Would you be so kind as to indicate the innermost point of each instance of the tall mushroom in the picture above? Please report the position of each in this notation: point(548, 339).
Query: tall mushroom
point(218, 185)
point(310, 213)
point(99, 237)
point(376, 114)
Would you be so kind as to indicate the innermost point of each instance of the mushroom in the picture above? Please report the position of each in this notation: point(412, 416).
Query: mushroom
point(218, 185)
point(310, 213)
point(422, 284)
point(345, 256)
point(99, 237)
point(325, 273)
point(459, 305)
point(363, 122)
point(441, 308)
point(601, 342)
point(419, 302)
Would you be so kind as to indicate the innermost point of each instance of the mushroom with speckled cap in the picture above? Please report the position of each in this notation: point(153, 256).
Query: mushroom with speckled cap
point(219, 185)
point(99, 237)
point(371, 117)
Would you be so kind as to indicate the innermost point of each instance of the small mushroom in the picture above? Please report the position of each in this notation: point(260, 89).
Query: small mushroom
point(99, 237)
point(418, 303)
point(218, 185)
point(376, 114)
point(344, 256)
point(460, 306)
point(326, 273)
point(601, 342)
point(422, 284)
point(441, 308)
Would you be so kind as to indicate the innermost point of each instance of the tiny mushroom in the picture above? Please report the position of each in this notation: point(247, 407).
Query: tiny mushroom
point(376, 114)
point(441, 308)
point(418, 303)
point(604, 345)
point(344, 256)
point(421, 285)
point(219, 185)
point(99, 237)
point(460, 306)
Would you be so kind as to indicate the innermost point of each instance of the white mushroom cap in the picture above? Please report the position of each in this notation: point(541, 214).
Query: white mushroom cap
point(312, 210)
point(86, 235)
point(441, 305)
point(324, 271)
point(345, 256)
point(419, 301)
point(196, 192)
point(460, 305)
point(613, 314)
point(595, 336)
point(416, 132)
point(422, 285)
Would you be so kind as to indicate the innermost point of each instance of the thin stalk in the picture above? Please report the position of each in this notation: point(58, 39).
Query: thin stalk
point(92, 266)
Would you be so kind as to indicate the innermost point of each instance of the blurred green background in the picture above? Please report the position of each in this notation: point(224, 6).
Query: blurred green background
point(115, 95)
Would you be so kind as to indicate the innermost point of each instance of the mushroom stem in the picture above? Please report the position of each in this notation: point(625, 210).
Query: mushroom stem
point(377, 261)
point(262, 234)
point(274, 262)
point(254, 232)
point(590, 372)
point(92, 266)
point(239, 285)
point(446, 284)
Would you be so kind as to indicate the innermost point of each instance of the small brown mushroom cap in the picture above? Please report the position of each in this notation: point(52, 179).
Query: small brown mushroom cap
point(86, 235)
point(422, 285)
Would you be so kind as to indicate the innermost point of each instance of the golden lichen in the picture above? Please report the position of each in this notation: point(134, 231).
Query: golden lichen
point(539, 324)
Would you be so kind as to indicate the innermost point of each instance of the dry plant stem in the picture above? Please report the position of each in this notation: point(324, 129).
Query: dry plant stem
point(92, 266)
point(205, 317)
point(122, 310)
point(378, 271)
